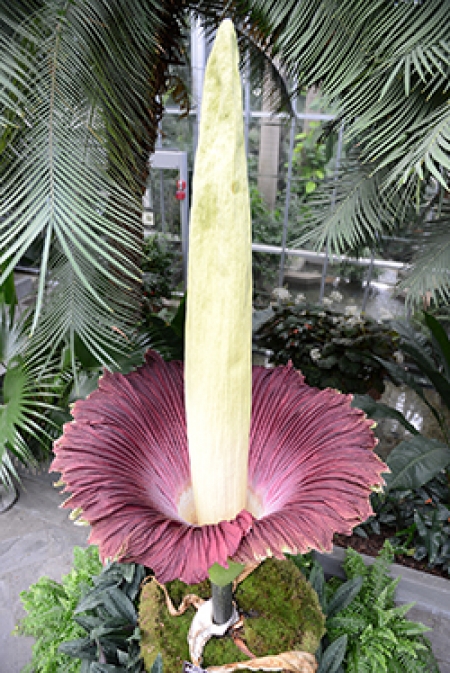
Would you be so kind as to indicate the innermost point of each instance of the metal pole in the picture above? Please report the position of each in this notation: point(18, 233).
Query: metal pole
point(288, 195)
point(369, 279)
point(198, 63)
point(222, 600)
point(161, 182)
point(333, 202)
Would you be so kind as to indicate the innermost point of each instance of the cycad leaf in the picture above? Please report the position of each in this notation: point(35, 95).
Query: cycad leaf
point(348, 211)
point(64, 180)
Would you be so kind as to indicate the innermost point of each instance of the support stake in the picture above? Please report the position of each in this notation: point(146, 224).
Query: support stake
point(222, 599)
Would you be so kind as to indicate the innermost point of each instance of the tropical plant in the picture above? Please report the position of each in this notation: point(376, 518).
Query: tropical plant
point(419, 519)
point(426, 365)
point(81, 85)
point(28, 392)
point(379, 638)
point(51, 608)
point(96, 92)
point(416, 502)
point(384, 67)
point(331, 349)
point(267, 229)
point(365, 631)
point(160, 273)
point(165, 333)
point(108, 637)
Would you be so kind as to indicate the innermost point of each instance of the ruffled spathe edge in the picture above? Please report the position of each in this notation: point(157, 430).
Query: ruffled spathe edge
point(125, 460)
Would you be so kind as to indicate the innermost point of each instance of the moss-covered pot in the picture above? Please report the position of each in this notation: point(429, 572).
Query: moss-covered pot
point(281, 612)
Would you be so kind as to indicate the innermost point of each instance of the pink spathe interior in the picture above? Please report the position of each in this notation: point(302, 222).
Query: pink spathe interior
point(125, 461)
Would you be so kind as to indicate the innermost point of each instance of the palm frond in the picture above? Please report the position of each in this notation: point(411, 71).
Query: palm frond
point(428, 149)
point(385, 64)
point(347, 210)
point(82, 102)
point(429, 276)
point(26, 395)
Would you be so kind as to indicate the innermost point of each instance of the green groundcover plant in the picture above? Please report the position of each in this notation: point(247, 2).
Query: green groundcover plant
point(50, 608)
point(88, 623)
point(366, 632)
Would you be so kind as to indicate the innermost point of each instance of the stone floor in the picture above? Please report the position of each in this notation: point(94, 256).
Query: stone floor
point(36, 539)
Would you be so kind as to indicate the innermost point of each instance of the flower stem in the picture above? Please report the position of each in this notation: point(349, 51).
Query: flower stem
point(222, 598)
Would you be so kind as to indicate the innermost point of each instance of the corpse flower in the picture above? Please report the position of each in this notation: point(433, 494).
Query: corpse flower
point(182, 467)
point(125, 460)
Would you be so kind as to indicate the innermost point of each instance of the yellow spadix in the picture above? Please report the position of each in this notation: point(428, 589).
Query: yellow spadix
point(219, 296)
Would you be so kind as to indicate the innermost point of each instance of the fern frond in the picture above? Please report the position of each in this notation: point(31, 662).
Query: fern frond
point(354, 565)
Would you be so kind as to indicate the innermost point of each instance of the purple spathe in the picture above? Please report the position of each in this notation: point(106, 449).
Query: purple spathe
point(124, 460)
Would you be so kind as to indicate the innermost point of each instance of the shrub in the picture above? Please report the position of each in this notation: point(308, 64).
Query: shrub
point(332, 350)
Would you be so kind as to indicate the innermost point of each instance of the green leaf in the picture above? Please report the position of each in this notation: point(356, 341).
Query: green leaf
point(82, 648)
point(179, 319)
point(415, 461)
point(441, 340)
point(223, 576)
point(96, 667)
point(317, 581)
point(333, 656)
point(344, 596)
point(379, 411)
point(119, 605)
point(8, 292)
point(109, 627)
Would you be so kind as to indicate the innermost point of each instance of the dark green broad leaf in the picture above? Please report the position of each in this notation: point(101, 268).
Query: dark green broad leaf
point(415, 461)
point(327, 363)
point(440, 339)
point(91, 601)
point(342, 341)
point(431, 537)
point(111, 627)
point(82, 648)
point(113, 574)
point(344, 596)
point(134, 581)
point(88, 622)
point(96, 667)
point(317, 581)
point(379, 411)
point(333, 656)
point(349, 368)
point(179, 318)
point(115, 601)
point(119, 605)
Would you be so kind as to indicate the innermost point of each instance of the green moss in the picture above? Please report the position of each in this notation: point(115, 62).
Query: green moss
point(280, 607)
